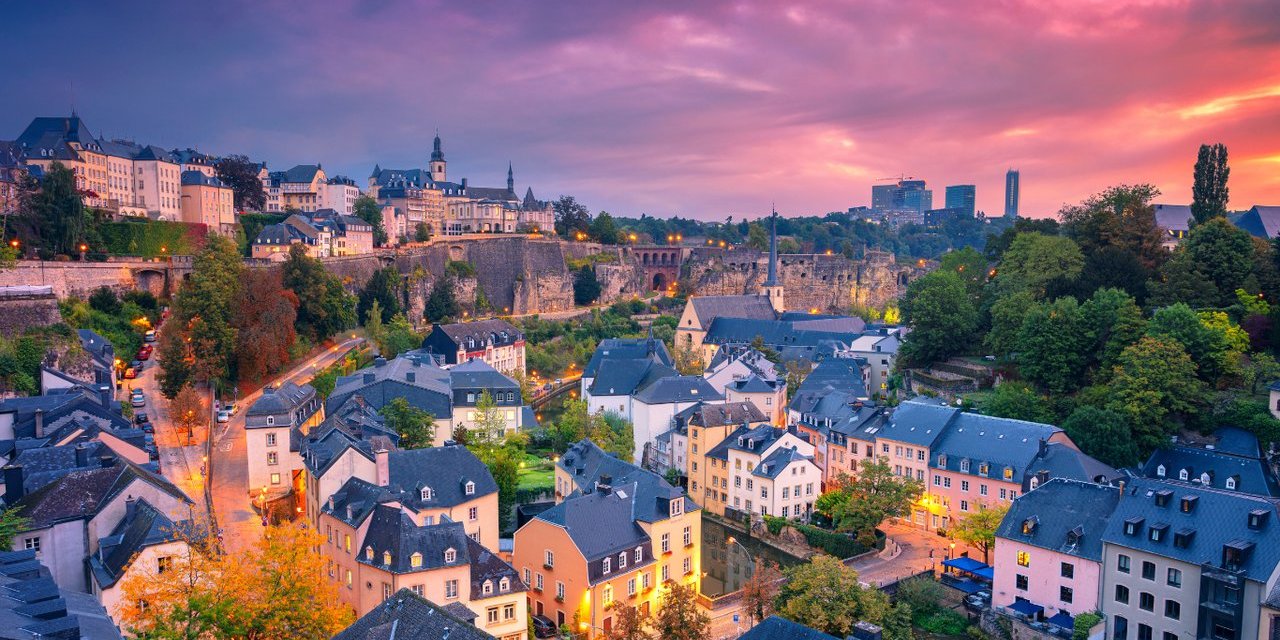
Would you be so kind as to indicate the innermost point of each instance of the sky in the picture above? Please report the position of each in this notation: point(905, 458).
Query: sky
point(700, 109)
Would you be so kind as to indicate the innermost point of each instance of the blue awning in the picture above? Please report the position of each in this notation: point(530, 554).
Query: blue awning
point(964, 563)
point(968, 586)
point(1062, 619)
point(1026, 607)
point(986, 573)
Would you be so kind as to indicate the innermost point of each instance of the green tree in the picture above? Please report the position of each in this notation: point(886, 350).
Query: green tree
point(586, 288)
point(1051, 345)
point(383, 286)
point(56, 212)
point(204, 308)
point(679, 617)
point(11, 524)
point(615, 434)
point(1119, 218)
point(239, 173)
point(603, 229)
point(104, 299)
point(861, 503)
point(757, 236)
point(398, 337)
point(971, 266)
point(367, 208)
point(570, 217)
point(1209, 192)
point(1111, 321)
point(1103, 434)
point(924, 595)
point(1182, 280)
point(1223, 252)
point(979, 529)
point(1017, 400)
point(824, 594)
point(1007, 314)
point(417, 428)
point(1034, 260)
point(373, 327)
point(422, 232)
point(324, 307)
point(1207, 345)
point(441, 305)
point(897, 626)
point(941, 316)
point(1155, 387)
point(482, 303)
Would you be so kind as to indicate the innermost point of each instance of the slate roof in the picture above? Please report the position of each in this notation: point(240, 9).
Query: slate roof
point(478, 374)
point(587, 463)
point(445, 469)
point(616, 349)
point(600, 524)
point(71, 129)
point(281, 401)
point(1235, 456)
point(473, 336)
point(348, 428)
point(818, 406)
point(1218, 518)
point(720, 414)
point(144, 527)
point(1173, 217)
point(753, 360)
point(1058, 460)
point(391, 529)
point(919, 423)
point(31, 606)
point(42, 465)
point(774, 463)
point(1060, 507)
point(755, 384)
point(355, 500)
point(775, 628)
point(486, 565)
point(407, 616)
point(199, 179)
point(80, 494)
point(303, 173)
point(1000, 442)
point(677, 388)
point(708, 308)
point(1261, 221)
point(842, 374)
point(624, 377)
point(421, 383)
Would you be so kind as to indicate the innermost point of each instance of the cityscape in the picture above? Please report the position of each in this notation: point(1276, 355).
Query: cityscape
point(441, 337)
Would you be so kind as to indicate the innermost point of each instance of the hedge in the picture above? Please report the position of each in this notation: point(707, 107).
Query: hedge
point(836, 544)
point(146, 238)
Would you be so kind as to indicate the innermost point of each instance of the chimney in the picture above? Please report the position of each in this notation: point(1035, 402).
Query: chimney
point(1120, 484)
point(106, 462)
point(379, 361)
point(1043, 474)
point(13, 489)
point(409, 376)
point(1044, 447)
point(382, 459)
point(104, 395)
point(130, 508)
point(368, 378)
point(82, 455)
point(464, 184)
point(866, 631)
point(39, 423)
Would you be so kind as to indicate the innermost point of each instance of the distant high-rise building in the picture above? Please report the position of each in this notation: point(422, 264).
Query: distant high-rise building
point(962, 196)
point(906, 195)
point(1011, 187)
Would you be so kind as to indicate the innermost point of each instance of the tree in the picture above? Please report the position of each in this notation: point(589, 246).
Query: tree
point(204, 307)
point(482, 304)
point(422, 232)
point(55, 212)
point(1206, 345)
point(972, 268)
point(398, 337)
point(1112, 267)
point(614, 434)
point(1155, 387)
point(324, 307)
point(1111, 321)
point(11, 524)
point(1223, 252)
point(570, 216)
point(1017, 400)
point(1034, 260)
point(1051, 345)
point(603, 229)
point(979, 529)
point(757, 237)
point(104, 299)
point(441, 304)
point(241, 175)
point(1103, 434)
point(1119, 218)
point(1181, 280)
point(942, 317)
point(383, 286)
point(869, 497)
point(688, 359)
point(373, 327)
point(679, 617)
point(897, 625)
point(176, 357)
point(628, 623)
point(825, 594)
point(367, 208)
point(1209, 192)
point(187, 410)
point(586, 288)
point(417, 428)
point(761, 590)
point(1007, 314)
point(263, 317)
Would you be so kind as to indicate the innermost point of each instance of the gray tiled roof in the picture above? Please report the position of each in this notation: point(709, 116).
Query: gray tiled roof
point(406, 616)
point(33, 607)
point(708, 308)
point(1173, 217)
point(1059, 460)
point(1261, 221)
point(677, 388)
point(392, 530)
point(80, 494)
point(1058, 508)
point(1001, 443)
point(446, 470)
point(421, 383)
point(1218, 518)
point(624, 377)
point(720, 414)
point(144, 527)
point(776, 628)
point(1250, 474)
point(774, 463)
point(587, 463)
point(601, 524)
point(617, 349)
point(919, 423)
point(198, 178)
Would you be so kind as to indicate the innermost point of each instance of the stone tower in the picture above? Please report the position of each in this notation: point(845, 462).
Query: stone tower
point(772, 288)
point(437, 161)
point(511, 179)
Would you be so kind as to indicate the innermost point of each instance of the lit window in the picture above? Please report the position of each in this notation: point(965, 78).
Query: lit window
point(1024, 559)
point(415, 560)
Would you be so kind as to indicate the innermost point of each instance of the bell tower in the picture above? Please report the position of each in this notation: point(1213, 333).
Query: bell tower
point(437, 165)
point(772, 289)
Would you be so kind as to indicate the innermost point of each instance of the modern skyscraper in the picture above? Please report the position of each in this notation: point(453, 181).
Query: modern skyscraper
point(906, 195)
point(1012, 181)
point(962, 196)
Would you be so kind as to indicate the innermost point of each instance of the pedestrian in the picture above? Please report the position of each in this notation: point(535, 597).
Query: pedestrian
point(931, 554)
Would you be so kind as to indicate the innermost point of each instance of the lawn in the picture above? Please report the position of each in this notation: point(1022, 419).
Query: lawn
point(536, 473)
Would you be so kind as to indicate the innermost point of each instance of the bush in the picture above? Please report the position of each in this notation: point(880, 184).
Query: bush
point(923, 595)
point(942, 622)
point(460, 269)
point(835, 544)
point(1084, 622)
point(147, 238)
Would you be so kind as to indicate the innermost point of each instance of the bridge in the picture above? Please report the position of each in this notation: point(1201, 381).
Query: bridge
point(661, 265)
point(79, 279)
point(566, 385)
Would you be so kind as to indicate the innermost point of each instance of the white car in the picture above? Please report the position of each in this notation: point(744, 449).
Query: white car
point(224, 416)
point(138, 400)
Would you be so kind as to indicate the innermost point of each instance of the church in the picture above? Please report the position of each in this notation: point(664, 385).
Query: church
point(428, 198)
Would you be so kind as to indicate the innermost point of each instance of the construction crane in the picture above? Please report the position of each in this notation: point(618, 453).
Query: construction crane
point(897, 178)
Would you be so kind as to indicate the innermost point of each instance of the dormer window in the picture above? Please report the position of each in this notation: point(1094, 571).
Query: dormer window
point(605, 566)
point(1231, 483)
point(487, 587)
point(1029, 525)
point(368, 553)
point(1157, 531)
point(1189, 503)
point(1074, 535)
point(425, 493)
point(271, 421)
point(504, 585)
point(1184, 474)
point(415, 560)
point(1008, 473)
point(942, 461)
point(450, 555)
point(677, 507)
point(622, 560)
point(983, 469)
point(1182, 538)
point(639, 554)
point(1206, 479)
point(470, 488)
point(740, 441)
point(386, 558)
point(964, 466)
point(1162, 497)
point(1133, 526)
point(1258, 518)
point(1160, 471)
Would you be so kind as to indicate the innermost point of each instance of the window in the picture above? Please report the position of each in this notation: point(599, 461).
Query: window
point(348, 578)
point(473, 513)
point(631, 587)
point(271, 439)
point(639, 554)
point(451, 589)
point(508, 611)
point(1122, 594)
point(470, 488)
point(1068, 570)
point(487, 588)
point(982, 489)
point(1183, 474)
point(1175, 578)
point(964, 485)
point(688, 565)
point(677, 507)
point(271, 421)
point(346, 542)
point(1065, 594)
point(937, 481)
point(386, 557)
point(1024, 559)
point(1121, 629)
point(539, 582)
point(666, 543)
point(425, 493)
point(163, 563)
point(273, 458)
point(1021, 582)
point(31, 544)
point(450, 555)
point(1172, 609)
point(607, 597)
point(622, 560)
point(1146, 601)
point(1144, 632)
point(491, 615)
point(549, 559)
point(368, 553)
point(1148, 570)
point(386, 590)
point(688, 536)
point(275, 478)
point(666, 573)
point(946, 482)
point(605, 566)
point(1122, 563)
point(964, 505)
point(527, 576)
point(764, 492)
point(415, 560)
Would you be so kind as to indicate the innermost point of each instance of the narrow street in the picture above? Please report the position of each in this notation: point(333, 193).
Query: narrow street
point(240, 524)
point(180, 459)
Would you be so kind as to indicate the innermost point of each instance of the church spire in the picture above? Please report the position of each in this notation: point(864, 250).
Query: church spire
point(437, 154)
point(511, 178)
point(772, 280)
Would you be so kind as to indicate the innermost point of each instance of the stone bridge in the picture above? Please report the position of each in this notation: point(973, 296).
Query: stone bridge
point(160, 276)
point(659, 264)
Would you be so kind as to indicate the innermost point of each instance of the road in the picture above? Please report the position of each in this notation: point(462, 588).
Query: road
point(240, 524)
point(179, 459)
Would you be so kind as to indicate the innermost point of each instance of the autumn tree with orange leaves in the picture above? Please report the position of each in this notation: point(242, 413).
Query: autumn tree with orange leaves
point(275, 590)
point(263, 315)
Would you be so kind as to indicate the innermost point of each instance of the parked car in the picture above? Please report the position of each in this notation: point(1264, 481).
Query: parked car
point(974, 603)
point(149, 336)
point(224, 416)
point(136, 364)
point(140, 418)
point(543, 627)
point(144, 353)
point(138, 399)
point(130, 373)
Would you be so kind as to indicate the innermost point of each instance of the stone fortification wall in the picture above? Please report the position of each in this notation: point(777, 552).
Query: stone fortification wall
point(21, 312)
point(79, 279)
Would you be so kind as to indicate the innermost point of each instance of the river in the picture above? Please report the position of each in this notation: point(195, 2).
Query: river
point(728, 558)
